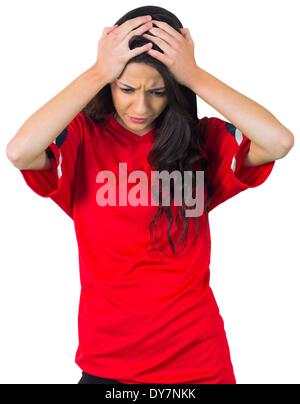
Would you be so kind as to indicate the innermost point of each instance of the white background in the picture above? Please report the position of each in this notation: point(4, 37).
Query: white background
point(251, 46)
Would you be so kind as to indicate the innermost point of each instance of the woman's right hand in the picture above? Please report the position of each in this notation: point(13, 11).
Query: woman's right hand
point(113, 48)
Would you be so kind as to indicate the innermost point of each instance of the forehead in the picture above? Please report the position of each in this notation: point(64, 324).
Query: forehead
point(139, 73)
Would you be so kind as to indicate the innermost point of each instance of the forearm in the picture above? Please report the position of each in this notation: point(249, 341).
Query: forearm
point(257, 123)
point(41, 128)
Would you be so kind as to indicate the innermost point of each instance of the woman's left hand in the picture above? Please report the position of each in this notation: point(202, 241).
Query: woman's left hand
point(178, 51)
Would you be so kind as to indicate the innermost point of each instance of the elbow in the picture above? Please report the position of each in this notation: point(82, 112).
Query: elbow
point(13, 156)
point(11, 153)
point(287, 144)
point(288, 140)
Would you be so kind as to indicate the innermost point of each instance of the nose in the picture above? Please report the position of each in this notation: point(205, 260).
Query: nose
point(141, 105)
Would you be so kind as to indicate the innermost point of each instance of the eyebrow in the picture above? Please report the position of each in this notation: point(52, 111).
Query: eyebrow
point(151, 89)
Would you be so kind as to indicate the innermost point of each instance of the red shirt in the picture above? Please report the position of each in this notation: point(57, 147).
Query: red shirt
point(143, 317)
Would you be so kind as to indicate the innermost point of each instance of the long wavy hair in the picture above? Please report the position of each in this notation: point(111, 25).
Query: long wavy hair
point(178, 144)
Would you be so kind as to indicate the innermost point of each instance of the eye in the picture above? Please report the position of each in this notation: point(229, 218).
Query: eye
point(157, 93)
point(126, 90)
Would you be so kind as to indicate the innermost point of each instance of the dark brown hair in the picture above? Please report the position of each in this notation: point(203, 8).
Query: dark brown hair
point(179, 143)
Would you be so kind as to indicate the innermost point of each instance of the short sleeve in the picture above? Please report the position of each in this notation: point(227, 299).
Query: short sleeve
point(58, 182)
point(226, 149)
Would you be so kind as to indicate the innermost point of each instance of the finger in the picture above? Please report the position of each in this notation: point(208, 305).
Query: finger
point(108, 30)
point(166, 27)
point(140, 30)
point(160, 33)
point(186, 33)
point(113, 27)
point(164, 46)
point(159, 56)
point(129, 25)
point(140, 49)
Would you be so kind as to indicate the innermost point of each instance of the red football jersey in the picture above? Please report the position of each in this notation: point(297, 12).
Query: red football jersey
point(144, 317)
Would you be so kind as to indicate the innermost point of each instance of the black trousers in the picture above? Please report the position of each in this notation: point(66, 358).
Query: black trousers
point(89, 379)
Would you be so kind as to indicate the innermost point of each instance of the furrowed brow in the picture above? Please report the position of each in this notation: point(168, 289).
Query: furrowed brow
point(151, 89)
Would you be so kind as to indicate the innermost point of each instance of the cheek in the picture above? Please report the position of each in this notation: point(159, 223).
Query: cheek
point(118, 100)
point(121, 99)
point(159, 102)
point(163, 104)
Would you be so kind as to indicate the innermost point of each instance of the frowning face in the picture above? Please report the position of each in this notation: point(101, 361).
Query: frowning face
point(138, 93)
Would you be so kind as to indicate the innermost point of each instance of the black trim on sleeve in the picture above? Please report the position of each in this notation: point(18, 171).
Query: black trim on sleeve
point(231, 128)
point(58, 141)
point(50, 153)
point(61, 138)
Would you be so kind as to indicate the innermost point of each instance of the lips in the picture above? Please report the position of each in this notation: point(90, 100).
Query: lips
point(137, 120)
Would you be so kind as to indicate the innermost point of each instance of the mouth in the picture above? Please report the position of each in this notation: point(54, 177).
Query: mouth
point(137, 120)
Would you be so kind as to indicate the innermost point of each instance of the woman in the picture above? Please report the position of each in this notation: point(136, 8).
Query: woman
point(147, 313)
